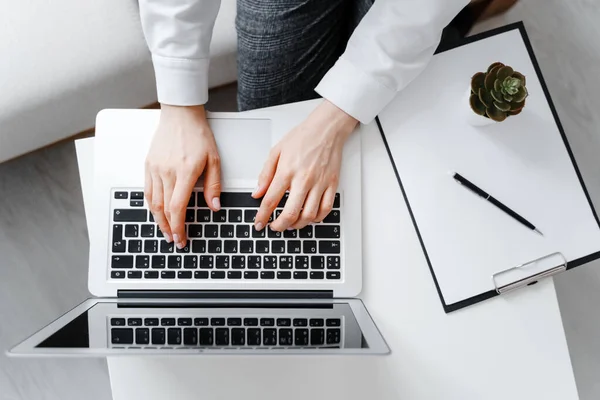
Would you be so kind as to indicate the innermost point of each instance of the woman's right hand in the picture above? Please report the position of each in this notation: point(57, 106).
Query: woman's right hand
point(182, 149)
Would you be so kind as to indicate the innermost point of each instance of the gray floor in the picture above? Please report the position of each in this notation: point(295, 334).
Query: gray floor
point(43, 239)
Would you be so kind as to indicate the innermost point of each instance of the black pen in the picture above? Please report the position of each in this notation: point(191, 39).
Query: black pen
point(472, 187)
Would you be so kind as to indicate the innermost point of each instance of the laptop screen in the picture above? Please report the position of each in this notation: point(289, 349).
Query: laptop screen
point(245, 326)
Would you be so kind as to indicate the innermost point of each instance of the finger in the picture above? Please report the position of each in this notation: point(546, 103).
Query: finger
point(168, 183)
point(267, 174)
point(212, 182)
point(158, 207)
point(148, 186)
point(179, 201)
point(326, 204)
point(274, 194)
point(312, 203)
point(292, 210)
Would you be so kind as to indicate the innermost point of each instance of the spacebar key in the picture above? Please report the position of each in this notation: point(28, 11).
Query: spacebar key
point(239, 199)
point(126, 215)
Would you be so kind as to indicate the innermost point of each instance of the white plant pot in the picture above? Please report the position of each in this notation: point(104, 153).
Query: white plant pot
point(471, 117)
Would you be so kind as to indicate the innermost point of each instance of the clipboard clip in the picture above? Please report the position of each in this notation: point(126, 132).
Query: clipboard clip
point(519, 270)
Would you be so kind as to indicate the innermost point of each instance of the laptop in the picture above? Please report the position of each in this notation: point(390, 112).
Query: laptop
point(232, 289)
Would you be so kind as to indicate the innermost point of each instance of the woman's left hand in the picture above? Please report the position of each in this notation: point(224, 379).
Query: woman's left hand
point(306, 162)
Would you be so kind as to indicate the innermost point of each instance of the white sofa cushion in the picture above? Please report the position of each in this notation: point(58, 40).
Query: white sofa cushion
point(62, 61)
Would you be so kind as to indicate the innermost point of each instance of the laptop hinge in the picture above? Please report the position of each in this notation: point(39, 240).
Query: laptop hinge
point(225, 294)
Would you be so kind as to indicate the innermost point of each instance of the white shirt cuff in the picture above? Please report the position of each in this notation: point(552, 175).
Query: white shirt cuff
point(181, 82)
point(354, 91)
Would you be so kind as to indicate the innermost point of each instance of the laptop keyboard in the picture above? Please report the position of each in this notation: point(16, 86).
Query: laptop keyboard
point(221, 245)
point(231, 332)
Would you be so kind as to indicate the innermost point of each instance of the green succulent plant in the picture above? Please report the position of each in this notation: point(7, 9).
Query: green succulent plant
point(498, 93)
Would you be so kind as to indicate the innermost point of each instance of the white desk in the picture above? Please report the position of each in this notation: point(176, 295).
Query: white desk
point(508, 347)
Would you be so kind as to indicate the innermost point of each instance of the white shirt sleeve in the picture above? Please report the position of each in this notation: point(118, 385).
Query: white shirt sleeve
point(178, 33)
point(392, 44)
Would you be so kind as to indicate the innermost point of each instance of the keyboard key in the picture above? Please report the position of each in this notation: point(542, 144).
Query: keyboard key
point(200, 321)
point(166, 247)
point(222, 336)
point(250, 274)
point(117, 232)
point(190, 336)
point(142, 262)
point(150, 246)
point(270, 262)
point(189, 215)
point(278, 246)
point(317, 337)
point(130, 215)
point(222, 262)
point(131, 230)
point(184, 274)
point(174, 262)
point(136, 203)
point(121, 262)
point(316, 274)
point(238, 262)
point(200, 200)
point(294, 246)
point(249, 216)
point(333, 322)
point(242, 231)
point(267, 322)
point(235, 216)
point(234, 321)
point(192, 200)
point(137, 195)
point(168, 321)
point(117, 321)
point(238, 337)
point(239, 200)
point(158, 262)
point(309, 247)
point(301, 337)
point(300, 322)
point(284, 322)
point(273, 234)
point(270, 337)
point(267, 275)
point(198, 246)
point(206, 262)
point(134, 246)
point(258, 234)
point(158, 335)
point(200, 274)
point(150, 217)
point(206, 336)
point(118, 246)
point(284, 275)
point(254, 337)
point(203, 215)
point(290, 233)
point(167, 274)
point(121, 336)
point(159, 233)
point(316, 322)
point(186, 248)
point(184, 321)
point(174, 336)
point(300, 275)
point(333, 217)
point(262, 246)
point(301, 262)
point(333, 275)
point(219, 216)
point(333, 336)
point(317, 262)
point(134, 274)
point(211, 231)
point(217, 274)
point(254, 262)
point(336, 201)
point(230, 246)
point(329, 247)
point(190, 262)
point(194, 231)
point(121, 195)
point(286, 337)
point(151, 321)
point(227, 231)
point(117, 274)
point(250, 321)
point(283, 200)
point(234, 274)
point(333, 262)
point(215, 246)
point(306, 232)
point(147, 231)
point(327, 231)
point(142, 336)
point(285, 262)
point(150, 274)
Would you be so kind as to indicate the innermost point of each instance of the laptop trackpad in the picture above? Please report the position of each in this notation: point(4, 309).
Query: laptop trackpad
point(243, 144)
